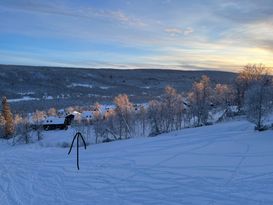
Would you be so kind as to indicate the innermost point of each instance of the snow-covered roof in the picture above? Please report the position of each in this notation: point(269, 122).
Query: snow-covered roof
point(75, 113)
point(106, 108)
point(87, 114)
point(54, 120)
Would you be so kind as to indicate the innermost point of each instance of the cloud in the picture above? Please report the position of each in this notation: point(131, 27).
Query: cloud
point(122, 18)
point(245, 11)
point(177, 31)
point(173, 31)
point(88, 12)
point(188, 31)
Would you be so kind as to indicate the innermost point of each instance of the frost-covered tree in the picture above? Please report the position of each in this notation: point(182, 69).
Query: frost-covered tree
point(23, 129)
point(254, 92)
point(172, 108)
point(109, 127)
point(155, 117)
point(8, 117)
point(26, 130)
point(18, 121)
point(223, 95)
point(118, 122)
point(97, 121)
point(168, 108)
point(200, 100)
point(167, 113)
point(124, 110)
point(143, 118)
point(179, 112)
point(249, 75)
point(259, 100)
point(52, 112)
point(69, 110)
point(37, 118)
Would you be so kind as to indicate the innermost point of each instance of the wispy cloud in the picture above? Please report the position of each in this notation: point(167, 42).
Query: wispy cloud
point(173, 31)
point(244, 11)
point(89, 12)
point(177, 31)
point(188, 31)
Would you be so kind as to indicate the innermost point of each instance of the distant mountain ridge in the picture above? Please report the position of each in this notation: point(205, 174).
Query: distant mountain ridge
point(60, 86)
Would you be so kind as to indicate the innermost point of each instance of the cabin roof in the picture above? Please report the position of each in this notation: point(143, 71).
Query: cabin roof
point(51, 120)
point(75, 113)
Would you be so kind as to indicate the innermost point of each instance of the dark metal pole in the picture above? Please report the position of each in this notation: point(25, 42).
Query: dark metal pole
point(78, 151)
point(72, 143)
point(77, 135)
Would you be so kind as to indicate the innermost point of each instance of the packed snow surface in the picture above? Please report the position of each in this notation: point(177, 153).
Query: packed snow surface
point(227, 163)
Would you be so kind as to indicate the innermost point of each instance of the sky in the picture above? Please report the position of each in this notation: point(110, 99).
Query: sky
point(169, 34)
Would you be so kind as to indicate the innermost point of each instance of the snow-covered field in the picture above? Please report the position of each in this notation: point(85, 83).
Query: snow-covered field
point(227, 163)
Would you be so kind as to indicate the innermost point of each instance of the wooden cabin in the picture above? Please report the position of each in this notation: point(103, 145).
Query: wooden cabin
point(53, 123)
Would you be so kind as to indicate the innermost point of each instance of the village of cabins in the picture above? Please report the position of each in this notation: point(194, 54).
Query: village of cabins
point(62, 120)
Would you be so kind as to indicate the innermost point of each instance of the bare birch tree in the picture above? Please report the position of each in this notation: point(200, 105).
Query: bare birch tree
point(200, 100)
point(259, 99)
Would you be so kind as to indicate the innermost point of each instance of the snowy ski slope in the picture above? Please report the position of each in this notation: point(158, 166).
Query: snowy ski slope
point(227, 163)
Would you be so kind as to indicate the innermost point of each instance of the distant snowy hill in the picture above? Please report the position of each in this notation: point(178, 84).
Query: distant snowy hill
point(228, 163)
point(61, 87)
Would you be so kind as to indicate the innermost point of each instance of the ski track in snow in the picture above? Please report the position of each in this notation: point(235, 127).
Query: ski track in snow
point(227, 163)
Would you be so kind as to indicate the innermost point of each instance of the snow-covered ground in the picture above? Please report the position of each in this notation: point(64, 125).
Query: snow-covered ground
point(80, 85)
point(25, 98)
point(228, 163)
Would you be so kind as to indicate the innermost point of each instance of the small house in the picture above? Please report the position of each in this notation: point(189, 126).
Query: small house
point(87, 115)
point(61, 113)
point(53, 123)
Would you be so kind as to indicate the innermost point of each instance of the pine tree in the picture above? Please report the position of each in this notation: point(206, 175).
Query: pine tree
point(9, 123)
